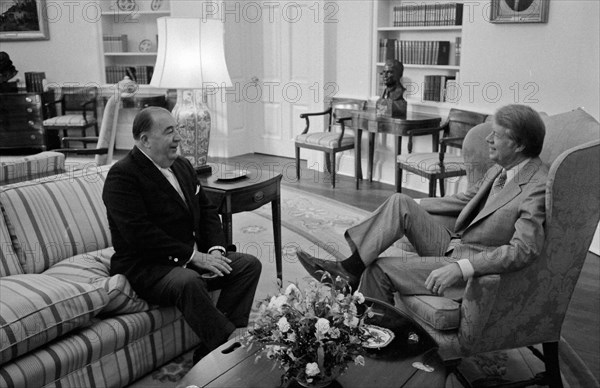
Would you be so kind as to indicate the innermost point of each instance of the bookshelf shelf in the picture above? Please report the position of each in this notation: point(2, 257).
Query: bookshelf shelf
point(132, 54)
point(132, 14)
point(433, 67)
point(129, 39)
point(426, 37)
point(422, 28)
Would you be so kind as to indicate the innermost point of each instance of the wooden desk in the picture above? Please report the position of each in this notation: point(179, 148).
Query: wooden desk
point(369, 121)
point(258, 188)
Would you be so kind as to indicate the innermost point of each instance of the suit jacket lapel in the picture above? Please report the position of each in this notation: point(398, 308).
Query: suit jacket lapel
point(149, 169)
point(473, 207)
point(510, 191)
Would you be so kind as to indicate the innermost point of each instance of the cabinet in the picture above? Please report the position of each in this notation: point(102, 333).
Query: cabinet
point(130, 38)
point(21, 120)
point(414, 33)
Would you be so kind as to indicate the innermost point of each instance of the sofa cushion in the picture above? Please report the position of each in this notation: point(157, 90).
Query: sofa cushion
point(112, 352)
point(35, 309)
point(9, 262)
point(57, 219)
point(93, 268)
point(44, 164)
point(438, 312)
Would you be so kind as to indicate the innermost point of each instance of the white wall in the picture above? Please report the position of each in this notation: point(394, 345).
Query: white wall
point(72, 54)
point(558, 60)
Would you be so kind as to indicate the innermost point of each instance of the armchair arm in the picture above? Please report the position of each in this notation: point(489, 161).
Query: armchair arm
point(306, 117)
point(342, 123)
point(514, 309)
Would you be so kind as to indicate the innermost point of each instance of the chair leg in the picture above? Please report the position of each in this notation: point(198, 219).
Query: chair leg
point(333, 170)
point(432, 187)
point(442, 188)
point(552, 364)
point(398, 179)
point(298, 163)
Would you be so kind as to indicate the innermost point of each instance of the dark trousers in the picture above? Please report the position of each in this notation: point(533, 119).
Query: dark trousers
point(190, 293)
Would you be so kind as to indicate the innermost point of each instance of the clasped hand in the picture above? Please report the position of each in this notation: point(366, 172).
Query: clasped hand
point(213, 262)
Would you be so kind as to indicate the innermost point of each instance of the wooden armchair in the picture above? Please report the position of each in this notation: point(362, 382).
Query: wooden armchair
point(105, 142)
point(78, 108)
point(329, 141)
point(527, 307)
point(437, 166)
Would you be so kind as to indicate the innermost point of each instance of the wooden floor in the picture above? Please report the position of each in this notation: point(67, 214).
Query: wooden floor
point(582, 323)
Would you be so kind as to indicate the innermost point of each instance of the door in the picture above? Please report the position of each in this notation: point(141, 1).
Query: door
point(286, 77)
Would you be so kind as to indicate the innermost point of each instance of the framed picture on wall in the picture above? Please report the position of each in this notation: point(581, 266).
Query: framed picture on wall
point(519, 11)
point(23, 20)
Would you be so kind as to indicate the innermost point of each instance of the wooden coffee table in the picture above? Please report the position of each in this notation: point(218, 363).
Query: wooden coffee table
point(231, 365)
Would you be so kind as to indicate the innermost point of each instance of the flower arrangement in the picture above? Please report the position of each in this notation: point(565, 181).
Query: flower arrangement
point(314, 334)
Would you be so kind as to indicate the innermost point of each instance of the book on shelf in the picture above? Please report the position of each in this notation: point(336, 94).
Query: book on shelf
point(35, 81)
point(435, 87)
point(427, 15)
point(140, 74)
point(457, 50)
point(415, 52)
point(115, 43)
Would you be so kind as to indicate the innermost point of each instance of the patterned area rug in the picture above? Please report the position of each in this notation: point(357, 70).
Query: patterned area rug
point(316, 225)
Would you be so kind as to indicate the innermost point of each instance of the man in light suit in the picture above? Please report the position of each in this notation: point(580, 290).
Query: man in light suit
point(168, 237)
point(499, 226)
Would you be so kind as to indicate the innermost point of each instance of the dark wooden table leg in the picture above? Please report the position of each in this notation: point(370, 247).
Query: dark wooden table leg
point(371, 153)
point(227, 228)
point(357, 154)
point(276, 214)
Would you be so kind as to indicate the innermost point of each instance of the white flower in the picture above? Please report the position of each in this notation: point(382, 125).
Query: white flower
point(292, 290)
point(292, 337)
point(350, 320)
point(312, 369)
point(334, 332)
point(322, 326)
point(340, 297)
point(283, 324)
point(359, 360)
point(277, 302)
point(359, 297)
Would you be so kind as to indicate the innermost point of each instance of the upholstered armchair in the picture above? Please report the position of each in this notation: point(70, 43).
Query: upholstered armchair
point(527, 307)
point(334, 138)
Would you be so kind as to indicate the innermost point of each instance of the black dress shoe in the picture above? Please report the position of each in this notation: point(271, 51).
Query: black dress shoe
point(317, 267)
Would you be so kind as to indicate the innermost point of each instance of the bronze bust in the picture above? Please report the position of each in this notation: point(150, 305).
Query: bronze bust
point(392, 102)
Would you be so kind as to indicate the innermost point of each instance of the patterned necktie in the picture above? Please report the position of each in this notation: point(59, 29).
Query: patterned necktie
point(498, 183)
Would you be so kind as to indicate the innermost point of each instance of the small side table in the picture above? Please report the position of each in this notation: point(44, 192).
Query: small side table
point(245, 194)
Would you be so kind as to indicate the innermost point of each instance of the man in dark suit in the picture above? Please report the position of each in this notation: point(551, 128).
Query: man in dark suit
point(168, 237)
point(499, 225)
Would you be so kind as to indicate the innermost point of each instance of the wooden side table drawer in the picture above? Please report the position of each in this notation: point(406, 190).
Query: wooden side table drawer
point(253, 199)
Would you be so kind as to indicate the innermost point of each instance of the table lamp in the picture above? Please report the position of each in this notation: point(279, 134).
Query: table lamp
point(191, 59)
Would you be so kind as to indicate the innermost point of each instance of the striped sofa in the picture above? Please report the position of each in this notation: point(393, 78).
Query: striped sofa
point(64, 322)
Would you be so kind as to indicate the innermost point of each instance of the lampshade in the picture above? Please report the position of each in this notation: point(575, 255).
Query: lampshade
point(190, 54)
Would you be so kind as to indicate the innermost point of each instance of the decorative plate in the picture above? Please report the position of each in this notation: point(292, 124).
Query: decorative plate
point(229, 175)
point(126, 5)
point(382, 337)
point(145, 45)
point(155, 5)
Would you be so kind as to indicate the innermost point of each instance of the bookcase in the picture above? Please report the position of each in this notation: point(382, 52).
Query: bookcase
point(426, 36)
point(130, 38)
